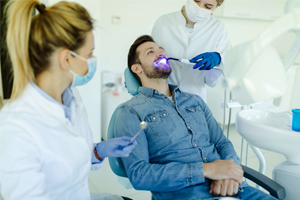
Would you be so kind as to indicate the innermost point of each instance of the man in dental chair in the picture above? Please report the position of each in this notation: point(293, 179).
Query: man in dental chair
point(183, 153)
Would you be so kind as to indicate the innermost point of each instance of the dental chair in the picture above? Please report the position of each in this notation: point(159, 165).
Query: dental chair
point(118, 168)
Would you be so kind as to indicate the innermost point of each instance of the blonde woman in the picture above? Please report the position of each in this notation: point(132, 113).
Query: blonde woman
point(46, 145)
point(193, 33)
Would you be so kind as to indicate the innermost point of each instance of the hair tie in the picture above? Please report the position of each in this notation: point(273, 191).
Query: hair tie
point(40, 8)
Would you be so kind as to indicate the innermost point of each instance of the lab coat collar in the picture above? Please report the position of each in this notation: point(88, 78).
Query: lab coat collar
point(67, 96)
point(149, 92)
point(41, 104)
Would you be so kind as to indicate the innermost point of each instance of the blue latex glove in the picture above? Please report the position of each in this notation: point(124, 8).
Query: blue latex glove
point(209, 60)
point(117, 147)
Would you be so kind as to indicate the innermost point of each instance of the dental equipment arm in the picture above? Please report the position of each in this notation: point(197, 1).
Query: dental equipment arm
point(247, 59)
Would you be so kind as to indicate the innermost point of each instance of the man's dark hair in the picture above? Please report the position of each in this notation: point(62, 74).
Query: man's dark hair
point(133, 55)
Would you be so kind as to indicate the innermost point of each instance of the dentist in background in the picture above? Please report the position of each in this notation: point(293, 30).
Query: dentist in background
point(46, 145)
point(195, 34)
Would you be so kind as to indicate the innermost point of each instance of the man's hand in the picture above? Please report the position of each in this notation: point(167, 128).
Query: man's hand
point(223, 169)
point(225, 187)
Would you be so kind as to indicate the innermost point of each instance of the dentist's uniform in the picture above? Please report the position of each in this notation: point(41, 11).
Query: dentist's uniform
point(47, 147)
point(181, 40)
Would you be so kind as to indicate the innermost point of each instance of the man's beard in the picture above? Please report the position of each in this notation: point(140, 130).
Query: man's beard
point(157, 73)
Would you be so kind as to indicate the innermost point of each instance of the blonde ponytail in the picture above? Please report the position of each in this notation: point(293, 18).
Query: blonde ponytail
point(19, 14)
point(31, 40)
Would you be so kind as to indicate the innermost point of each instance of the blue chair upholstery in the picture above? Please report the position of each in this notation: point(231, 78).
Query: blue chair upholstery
point(131, 83)
point(115, 163)
point(117, 166)
point(132, 86)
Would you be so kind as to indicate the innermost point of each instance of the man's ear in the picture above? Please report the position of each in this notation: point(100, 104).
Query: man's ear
point(64, 59)
point(137, 68)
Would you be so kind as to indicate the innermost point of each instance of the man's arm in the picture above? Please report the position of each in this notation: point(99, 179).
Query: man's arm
point(222, 144)
point(222, 186)
point(144, 175)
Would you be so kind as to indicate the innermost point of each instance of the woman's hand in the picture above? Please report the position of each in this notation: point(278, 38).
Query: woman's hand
point(117, 147)
point(206, 61)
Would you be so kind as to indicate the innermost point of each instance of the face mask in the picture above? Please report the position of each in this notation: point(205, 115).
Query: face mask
point(194, 12)
point(79, 79)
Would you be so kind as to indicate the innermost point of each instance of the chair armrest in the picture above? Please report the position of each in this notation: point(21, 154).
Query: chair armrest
point(268, 184)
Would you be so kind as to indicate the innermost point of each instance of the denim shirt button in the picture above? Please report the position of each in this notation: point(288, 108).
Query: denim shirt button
point(204, 158)
point(199, 108)
point(195, 145)
point(189, 127)
point(154, 118)
point(164, 115)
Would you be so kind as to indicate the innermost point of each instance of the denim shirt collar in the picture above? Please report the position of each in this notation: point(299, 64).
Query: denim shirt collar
point(149, 92)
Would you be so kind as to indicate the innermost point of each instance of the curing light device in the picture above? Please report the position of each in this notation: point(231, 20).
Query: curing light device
point(185, 61)
point(163, 62)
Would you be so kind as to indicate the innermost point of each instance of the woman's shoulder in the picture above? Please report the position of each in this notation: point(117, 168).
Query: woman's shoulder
point(16, 107)
point(218, 22)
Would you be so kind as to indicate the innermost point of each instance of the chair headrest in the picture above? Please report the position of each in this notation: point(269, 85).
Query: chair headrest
point(131, 83)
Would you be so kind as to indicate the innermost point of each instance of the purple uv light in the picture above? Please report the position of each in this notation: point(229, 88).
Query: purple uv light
point(162, 63)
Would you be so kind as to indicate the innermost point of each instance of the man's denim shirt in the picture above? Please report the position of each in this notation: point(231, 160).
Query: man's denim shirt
point(169, 157)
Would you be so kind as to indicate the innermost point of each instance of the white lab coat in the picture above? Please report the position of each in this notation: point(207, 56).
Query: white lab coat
point(208, 35)
point(43, 155)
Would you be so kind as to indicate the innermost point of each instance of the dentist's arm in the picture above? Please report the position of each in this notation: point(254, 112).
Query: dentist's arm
point(213, 76)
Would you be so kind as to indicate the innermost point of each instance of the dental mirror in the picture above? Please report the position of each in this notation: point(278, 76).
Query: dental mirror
point(143, 125)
